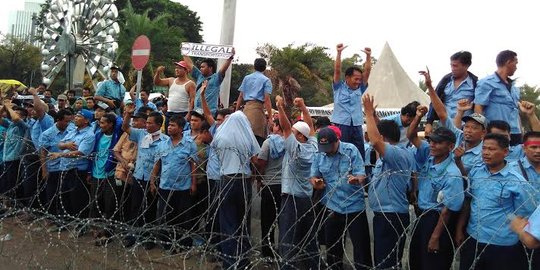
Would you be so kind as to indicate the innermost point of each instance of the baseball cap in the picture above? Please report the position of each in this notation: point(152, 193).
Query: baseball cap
point(140, 115)
point(326, 137)
point(336, 130)
point(198, 112)
point(103, 105)
point(127, 102)
point(442, 134)
point(182, 64)
point(302, 127)
point(86, 114)
point(476, 117)
point(114, 66)
point(62, 97)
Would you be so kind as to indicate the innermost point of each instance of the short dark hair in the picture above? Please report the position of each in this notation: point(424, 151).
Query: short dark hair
point(505, 56)
point(501, 140)
point(43, 84)
point(144, 109)
point(498, 124)
point(350, 70)
point(224, 112)
point(276, 121)
point(464, 57)
point(88, 98)
point(322, 122)
point(205, 126)
point(48, 90)
point(71, 92)
point(23, 111)
point(260, 64)
point(61, 114)
point(179, 120)
point(210, 63)
point(110, 117)
point(158, 118)
point(410, 109)
point(389, 130)
point(531, 134)
point(146, 91)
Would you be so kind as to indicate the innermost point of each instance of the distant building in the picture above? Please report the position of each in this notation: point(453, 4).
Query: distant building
point(20, 21)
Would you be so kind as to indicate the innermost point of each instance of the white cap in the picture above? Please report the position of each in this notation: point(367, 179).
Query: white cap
point(302, 127)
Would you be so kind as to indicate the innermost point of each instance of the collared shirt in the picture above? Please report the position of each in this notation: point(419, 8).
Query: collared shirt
point(465, 90)
point(112, 89)
point(533, 226)
point(391, 180)
point(2, 138)
point(255, 86)
point(212, 89)
point(472, 156)
point(499, 100)
point(146, 157)
point(530, 174)
point(403, 140)
point(272, 174)
point(176, 163)
point(101, 157)
point(84, 139)
point(128, 150)
point(16, 140)
point(297, 166)
point(235, 159)
point(495, 196)
point(516, 152)
point(139, 103)
point(339, 195)
point(212, 166)
point(438, 184)
point(38, 127)
point(49, 140)
point(348, 104)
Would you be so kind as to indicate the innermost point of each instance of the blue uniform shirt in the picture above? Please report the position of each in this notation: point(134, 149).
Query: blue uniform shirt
point(255, 86)
point(495, 196)
point(530, 175)
point(212, 89)
point(473, 156)
point(464, 91)
point(2, 138)
point(212, 166)
point(84, 139)
point(533, 227)
point(438, 179)
point(499, 101)
point(146, 157)
point(101, 156)
point(516, 152)
point(49, 140)
point(348, 104)
point(139, 103)
point(297, 167)
point(339, 195)
point(16, 140)
point(112, 89)
point(403, 140)
point(176, 163)
point(390, 180)
point(38, 127)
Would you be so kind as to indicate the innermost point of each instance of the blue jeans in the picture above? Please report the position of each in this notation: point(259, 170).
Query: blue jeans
point(298, 246)
point(354, 135)
point(234, 220)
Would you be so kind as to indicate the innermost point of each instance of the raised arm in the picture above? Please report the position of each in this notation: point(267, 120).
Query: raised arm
point(283, 119)
point(375, 138)
point(15, 117)
point(412, 131)
point(132, 93)
point(206, 110)
point(463, 105)
point(337, 65)
point(437, 103)
point(190, 88)
point(127, 117)
point(157, 77)
point(39, 106)
point(528, 109)
point(189, 63)
point(299, 102)
point(367, 65)
point(227, 64)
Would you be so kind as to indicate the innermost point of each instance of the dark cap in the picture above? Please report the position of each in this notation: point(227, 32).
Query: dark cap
point(140, 115)
point(198, 112)
point(326, 138)
point(477, 118)
point(442, 134)
point(114, 66)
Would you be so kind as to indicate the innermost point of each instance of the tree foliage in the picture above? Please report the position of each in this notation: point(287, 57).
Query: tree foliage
point(19, 60)
point(531, 94)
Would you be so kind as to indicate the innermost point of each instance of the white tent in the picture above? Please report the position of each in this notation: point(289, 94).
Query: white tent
point(390, 84)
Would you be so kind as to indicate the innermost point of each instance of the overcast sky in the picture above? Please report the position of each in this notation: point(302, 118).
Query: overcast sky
point(420, 32)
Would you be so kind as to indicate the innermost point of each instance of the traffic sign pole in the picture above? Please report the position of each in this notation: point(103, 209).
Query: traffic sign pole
point(139, 79)
point(140, 53)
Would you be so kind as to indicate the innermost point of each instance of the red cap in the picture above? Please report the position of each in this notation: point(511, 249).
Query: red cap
point(182, 64)
point(336, 130)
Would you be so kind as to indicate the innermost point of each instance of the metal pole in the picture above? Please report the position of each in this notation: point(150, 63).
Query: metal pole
point(227, 38)
point(139, 78)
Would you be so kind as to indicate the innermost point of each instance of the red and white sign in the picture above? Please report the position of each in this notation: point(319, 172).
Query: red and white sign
point(140, 52)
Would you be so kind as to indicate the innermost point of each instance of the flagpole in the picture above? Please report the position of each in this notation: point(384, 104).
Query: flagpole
point(227, 38)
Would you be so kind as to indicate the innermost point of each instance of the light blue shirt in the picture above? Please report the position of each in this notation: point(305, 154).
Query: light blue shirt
point(339, 195)
point(101, 156)
point(112, 89)
point(516, 152)
point(348, 104)
point(403, 140)
point(176, 163)
point(49, 140)
point(391, 180)
point(297, 167)
point(533, 227)
point(212, 89)
point(435, 180)
point(139, 103)
point(16, 140)
point(146, 157)
point(2, 138)
point(495, 196)
point(499, 102)
point(212, 166)
point(255, 86)
point(464, 91)
point(531, 175)
point(38, 127)
point(84, 139)
point(473, 156)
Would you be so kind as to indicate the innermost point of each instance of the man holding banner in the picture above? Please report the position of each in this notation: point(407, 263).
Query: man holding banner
point(207, 71)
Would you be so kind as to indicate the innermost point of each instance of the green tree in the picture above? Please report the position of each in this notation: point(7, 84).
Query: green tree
point(19, 60)
point(531, 94)
point(239, 71)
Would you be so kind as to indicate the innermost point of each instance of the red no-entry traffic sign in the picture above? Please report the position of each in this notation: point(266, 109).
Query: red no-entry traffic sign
point(140, 52)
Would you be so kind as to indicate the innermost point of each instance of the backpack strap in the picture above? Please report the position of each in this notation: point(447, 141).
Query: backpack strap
point(523, 170)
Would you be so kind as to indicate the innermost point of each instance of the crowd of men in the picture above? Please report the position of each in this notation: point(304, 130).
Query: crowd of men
point(187, 167)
